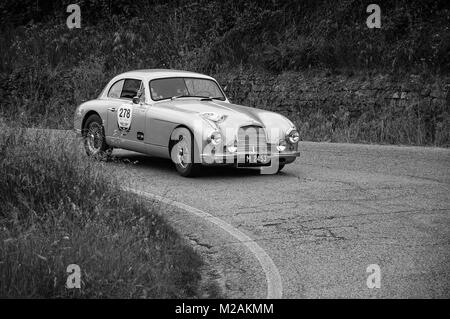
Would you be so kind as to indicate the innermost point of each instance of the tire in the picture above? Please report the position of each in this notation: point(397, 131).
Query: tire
point(182, 153)
point(94, 137)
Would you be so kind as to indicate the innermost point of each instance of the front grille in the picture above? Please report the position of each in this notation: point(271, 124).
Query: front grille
point(252, 139)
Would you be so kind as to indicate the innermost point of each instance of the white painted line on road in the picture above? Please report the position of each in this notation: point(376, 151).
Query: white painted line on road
point(273, 278)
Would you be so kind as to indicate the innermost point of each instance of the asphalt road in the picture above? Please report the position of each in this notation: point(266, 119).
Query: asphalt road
point(323, 220)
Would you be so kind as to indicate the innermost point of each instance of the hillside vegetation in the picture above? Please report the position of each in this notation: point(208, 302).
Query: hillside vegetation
point(59, 209)
point(47, 69)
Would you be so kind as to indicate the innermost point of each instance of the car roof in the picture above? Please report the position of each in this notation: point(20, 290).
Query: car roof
point(150, 74)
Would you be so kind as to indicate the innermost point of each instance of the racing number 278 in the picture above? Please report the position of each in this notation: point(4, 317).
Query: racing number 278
point(124, 113)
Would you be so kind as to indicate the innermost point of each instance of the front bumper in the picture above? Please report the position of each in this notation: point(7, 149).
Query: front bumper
point(237, 158)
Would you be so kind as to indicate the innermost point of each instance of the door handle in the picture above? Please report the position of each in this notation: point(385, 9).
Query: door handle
point(112, 109)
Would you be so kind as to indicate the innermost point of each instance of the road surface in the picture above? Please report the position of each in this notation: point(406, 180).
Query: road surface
point(323, 220)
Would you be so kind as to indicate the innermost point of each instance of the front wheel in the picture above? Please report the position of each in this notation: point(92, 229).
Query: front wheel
point(94, 137)
point(182, 152)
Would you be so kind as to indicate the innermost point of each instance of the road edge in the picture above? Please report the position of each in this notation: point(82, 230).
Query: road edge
point(273, 278)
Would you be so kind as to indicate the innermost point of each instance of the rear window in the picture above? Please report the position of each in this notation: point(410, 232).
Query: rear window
point(116, 90)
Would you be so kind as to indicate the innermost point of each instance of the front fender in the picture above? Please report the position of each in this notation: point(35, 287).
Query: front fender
point(84, 110)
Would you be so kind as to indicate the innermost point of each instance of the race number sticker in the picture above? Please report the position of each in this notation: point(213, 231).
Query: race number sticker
point(124, 117)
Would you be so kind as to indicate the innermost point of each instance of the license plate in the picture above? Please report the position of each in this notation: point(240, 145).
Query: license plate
point(254, 160)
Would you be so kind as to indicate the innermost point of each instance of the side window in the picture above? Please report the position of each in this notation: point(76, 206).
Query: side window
point(130, 88)
point(116, 89)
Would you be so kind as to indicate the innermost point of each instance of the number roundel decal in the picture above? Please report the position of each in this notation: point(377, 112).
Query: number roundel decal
point(124, 117)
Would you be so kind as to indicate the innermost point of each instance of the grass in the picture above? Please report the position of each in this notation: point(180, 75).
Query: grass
point(59, 208)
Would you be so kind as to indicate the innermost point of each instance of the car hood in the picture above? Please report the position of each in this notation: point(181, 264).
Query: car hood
point(236, 116)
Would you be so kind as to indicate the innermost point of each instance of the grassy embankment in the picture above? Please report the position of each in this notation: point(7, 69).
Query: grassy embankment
point(59, 208)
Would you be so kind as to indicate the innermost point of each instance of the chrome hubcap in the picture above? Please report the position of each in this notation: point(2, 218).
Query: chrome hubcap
point(94, 138)
point(183, 154)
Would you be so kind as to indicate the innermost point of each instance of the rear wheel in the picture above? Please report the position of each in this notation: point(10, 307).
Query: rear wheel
point(182, 153)
point(94, 137)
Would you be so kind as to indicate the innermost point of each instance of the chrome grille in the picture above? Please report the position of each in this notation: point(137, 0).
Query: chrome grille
point(252, 139)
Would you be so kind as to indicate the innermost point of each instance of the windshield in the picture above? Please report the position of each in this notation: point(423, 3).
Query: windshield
point(167, 88)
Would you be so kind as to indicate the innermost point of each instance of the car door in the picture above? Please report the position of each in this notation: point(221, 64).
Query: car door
point(125, 120)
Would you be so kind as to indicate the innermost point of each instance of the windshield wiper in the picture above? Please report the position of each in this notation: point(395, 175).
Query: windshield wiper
point(203, 98)
point(178, 96)
point(209, 98)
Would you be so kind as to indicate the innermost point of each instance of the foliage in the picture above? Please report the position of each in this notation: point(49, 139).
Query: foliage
point(47, 69)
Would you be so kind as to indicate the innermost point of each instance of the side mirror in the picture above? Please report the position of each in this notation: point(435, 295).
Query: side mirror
point(136, 100)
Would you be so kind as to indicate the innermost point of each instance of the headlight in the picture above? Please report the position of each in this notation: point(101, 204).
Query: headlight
point(232, 149)
point(281, 146)
point(293, 136)
point(215, 138)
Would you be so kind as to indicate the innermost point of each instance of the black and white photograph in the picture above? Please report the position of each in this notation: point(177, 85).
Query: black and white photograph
point(222, 155)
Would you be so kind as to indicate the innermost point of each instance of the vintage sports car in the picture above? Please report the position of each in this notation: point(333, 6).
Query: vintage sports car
point(186, 117)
